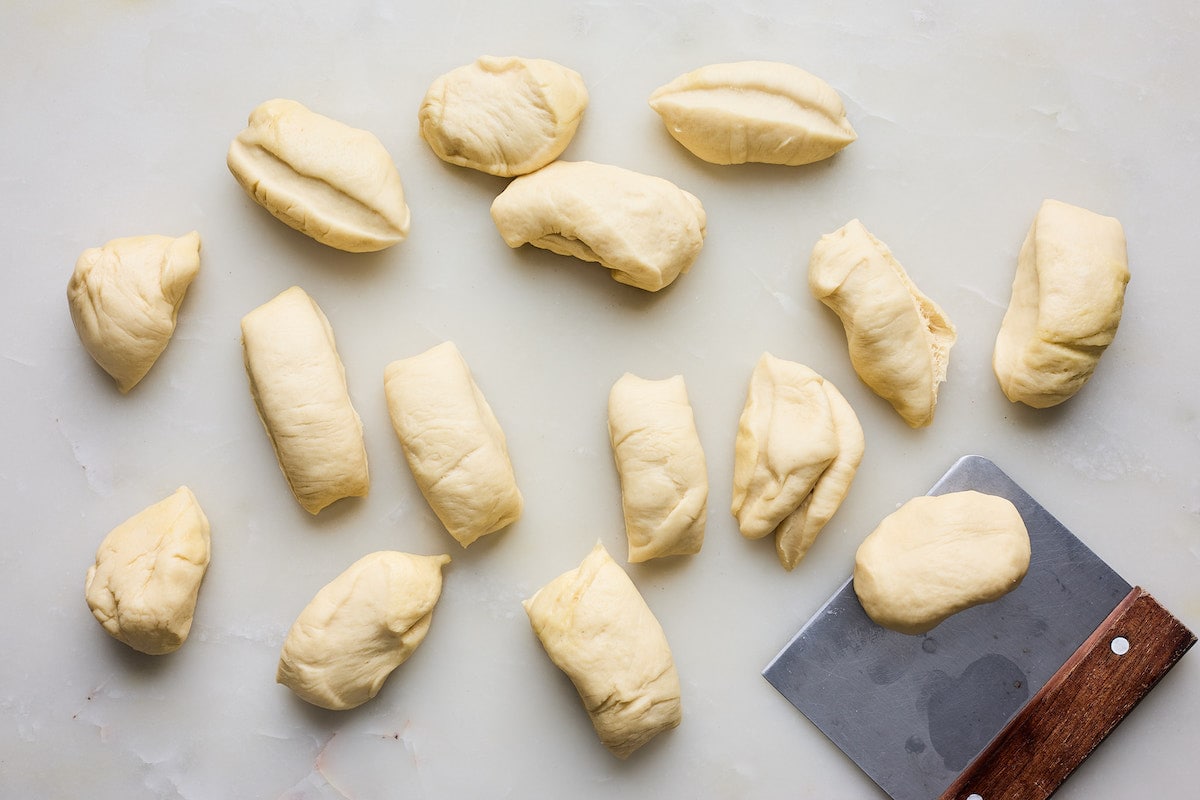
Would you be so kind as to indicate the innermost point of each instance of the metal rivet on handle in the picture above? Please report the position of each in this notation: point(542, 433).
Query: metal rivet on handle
point(974, 797)
point(1120, 646)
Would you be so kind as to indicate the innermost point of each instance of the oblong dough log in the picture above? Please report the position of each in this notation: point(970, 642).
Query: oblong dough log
point(125, 297)
point(899, 339)
point(799, 444)
point(504, 116)
point(936, 556)
point(596, 628)
point(453, 443)
point(144, 584)
point(332, 182)
point(1066, 303)
point(359, 627)
point(761, 111)
point(299, 387)
point(664, 479)
point(645, 229)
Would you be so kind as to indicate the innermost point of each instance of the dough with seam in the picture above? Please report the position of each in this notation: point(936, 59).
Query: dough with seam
point(899, 339)
point(798, 446)
point(333, 183)
point(754, 111)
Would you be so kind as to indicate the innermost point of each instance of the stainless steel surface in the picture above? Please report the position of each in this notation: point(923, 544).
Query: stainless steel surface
point(913, 711)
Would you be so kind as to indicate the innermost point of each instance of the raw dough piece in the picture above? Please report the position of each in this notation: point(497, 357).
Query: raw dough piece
point(124, 299)
point(646, 230)
point(798, 446)
point(147, 575)
point(899, 339)
point(452, 442)
point(327, 180)
point(1065, 307)
point(299, 387)
point(596, 628)
point(936, 556)
point(760, 111)
point(503, 116)
point(664, 480)
point(359, 627)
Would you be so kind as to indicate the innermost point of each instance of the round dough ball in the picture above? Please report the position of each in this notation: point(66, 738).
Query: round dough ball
point(936, 556)
point(503, 116)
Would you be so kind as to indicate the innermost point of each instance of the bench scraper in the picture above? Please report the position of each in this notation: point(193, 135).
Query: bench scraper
point(1001, 701)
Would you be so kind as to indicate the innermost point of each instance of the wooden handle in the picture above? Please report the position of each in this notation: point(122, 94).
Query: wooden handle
point(1079, 705)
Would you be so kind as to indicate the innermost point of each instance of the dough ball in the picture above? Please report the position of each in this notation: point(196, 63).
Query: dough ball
point(798, 447)
point(503, 116)
point(329, 181)
point(938, 555)
point(144, 584)
point(359, 627)
point(646, 230)
point(760, 111)
point(125, 297)
point(899, 339)
point(596, 628)
point(453, 443)
point(664, 478)
point(299, 387)
point(1066, 304)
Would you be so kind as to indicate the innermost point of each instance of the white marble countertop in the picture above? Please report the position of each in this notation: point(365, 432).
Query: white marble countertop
point(116, 120)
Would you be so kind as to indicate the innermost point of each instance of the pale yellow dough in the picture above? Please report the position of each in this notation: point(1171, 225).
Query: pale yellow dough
point(664, 479)
point(1066, 304)
point(899, 339)
point(503, 116)
point(327, 180)
point(359, 627)
point(646, 230)
point(144, 584)
point(125, 297)
point(799, 444)
point(760, 111)
point(596, 628)
point(936, 556)
point(453, 443)
point(299, 387)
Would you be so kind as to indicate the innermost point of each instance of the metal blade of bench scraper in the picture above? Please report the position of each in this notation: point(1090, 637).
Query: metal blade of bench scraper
point(913, 711)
